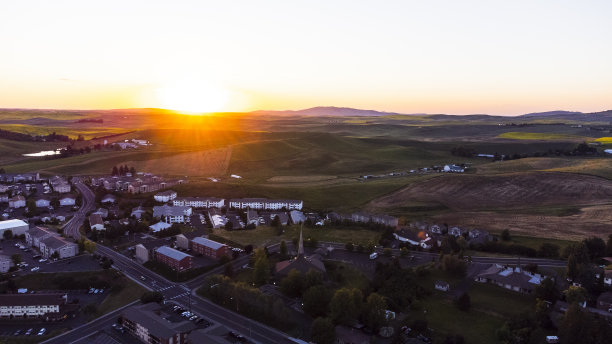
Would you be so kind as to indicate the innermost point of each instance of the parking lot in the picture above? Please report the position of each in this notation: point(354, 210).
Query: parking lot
point(79, 263)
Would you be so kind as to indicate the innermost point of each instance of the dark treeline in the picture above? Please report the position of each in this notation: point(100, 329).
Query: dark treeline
point(582, 149)
point(53, 137)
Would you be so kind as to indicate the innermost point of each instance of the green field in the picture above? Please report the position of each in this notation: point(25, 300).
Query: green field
point(541, 136)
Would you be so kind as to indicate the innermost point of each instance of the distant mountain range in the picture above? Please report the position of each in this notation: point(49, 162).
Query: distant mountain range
point(332, 111)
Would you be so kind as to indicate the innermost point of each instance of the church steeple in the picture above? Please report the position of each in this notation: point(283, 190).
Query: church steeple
point(301, 245)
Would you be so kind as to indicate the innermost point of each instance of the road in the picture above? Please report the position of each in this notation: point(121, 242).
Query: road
point(71, 228)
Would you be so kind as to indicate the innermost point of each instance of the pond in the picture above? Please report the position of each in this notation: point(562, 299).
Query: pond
point(43, 153)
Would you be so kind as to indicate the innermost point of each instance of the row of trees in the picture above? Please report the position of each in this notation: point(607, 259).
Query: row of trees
point(123, 170)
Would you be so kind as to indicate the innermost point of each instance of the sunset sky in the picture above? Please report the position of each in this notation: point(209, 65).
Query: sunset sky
point(456, 57)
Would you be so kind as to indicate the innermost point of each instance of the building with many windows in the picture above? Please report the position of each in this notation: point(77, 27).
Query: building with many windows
point(170, 214)
point(46, 306)
point(208, 248)
point(175, 259)
point(266, 204)
point(17, 227)
point(151, 325)
point(199, 202)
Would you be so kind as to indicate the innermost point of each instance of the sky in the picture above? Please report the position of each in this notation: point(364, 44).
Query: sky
point(455, 57)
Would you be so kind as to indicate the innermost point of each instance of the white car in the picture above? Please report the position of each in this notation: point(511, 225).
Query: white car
point(42, 260)
point(42, 331)
point(34, 269)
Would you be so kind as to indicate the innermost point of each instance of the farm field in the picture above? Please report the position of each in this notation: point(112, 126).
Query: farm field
point(541, 136)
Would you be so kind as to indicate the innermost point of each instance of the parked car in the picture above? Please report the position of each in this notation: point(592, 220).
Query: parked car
point(42, 331)
point(34, 269)
point(29, 332)
point(42, 260)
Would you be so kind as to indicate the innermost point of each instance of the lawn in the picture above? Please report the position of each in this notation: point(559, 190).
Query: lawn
point(535, 242)
point(265, 236)
point(542, 136)
point(130, 292)
point(494, 300)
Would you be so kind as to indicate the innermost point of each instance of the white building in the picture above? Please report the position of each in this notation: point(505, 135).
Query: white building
point(63, 247)
point(108, 199)
point(31, 305)
point(67, 200)
point(18, 227)
point(36, 234)
point(160, 226)
point(42, 203)
point(59, 184)
point(165, 196)
point(141, 253)
point(267, 204)
point(96, 222)
point(17, 202)
point(199, 202)
point(172, 214)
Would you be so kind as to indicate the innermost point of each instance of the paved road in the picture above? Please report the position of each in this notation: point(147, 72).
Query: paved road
point(71, 228)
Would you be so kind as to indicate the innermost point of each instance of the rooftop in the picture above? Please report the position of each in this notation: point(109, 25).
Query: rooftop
point(11, 223)
point(150, 317)
point(172, 253)
point(208, 243)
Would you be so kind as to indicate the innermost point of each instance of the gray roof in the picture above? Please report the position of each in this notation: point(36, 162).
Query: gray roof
point(95, 219)
point(172, 253)
point(56, 242)
point(165, 193)
point(148, 317)
point(38, 232)
point(208, 243)
point(166, 210)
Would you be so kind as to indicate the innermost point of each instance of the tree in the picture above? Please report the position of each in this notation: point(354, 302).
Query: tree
point(387, 252)
point(548, 250)
point(151, 296)
point(575, 294)
point(228, 269)
point(31, 204)
point(453, 265)
point(403, 252)
point(316, 301)
point(8, 234)
point(596, 247)
point(133, 171)
point(547, 290)
point(505, 235)
point(345, 306)
point(275, 222)
point(89, 246)
point(121, 171)
point(54, 255)
point(16, 258)
point(229, 226)
point(463, 302)
point(283, 250)
point(375, 312)
point(115, 171)
point(261, 270)
point(312, 278)
point(11, 285)
point(293, 284)
point(609, 246)
point(350, 247)
point(322, 331)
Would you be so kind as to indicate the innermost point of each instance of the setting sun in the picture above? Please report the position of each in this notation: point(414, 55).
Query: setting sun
point(194, 96)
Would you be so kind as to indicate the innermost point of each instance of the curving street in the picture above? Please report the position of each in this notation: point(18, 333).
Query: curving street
point(71, 228)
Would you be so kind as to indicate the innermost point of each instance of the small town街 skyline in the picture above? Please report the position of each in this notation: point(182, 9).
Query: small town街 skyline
point(400, 56)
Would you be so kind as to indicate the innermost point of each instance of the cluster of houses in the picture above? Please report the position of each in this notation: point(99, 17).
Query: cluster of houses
point(449, 168)
point(513, 278)
point(59, 184)
point(178, 258)
point(49, 243)
point(425, 235)
point(140, 183)
point(131, 144)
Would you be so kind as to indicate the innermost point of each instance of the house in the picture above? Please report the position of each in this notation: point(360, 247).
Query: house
point(165, 196)
point(141, 253)
point(67, 200)
point(297, 216)
point(199, 202)
point(183, 242)
point(216, 218)
point(160, 226)
point(453, 169)
point(604, 301)
point(137, 212)
point(608, 278)
point(252, 217)
point(174, 258)
point(283, 218)
point(172, 214)
point(5, 263)
point(349, 335)
point(4, 198)
point(265, 204)
point(102, 212)
point(96, 222)
point(301, 263)
point(35, 235)
point(43, 202)
point(442, 286)
point(17, 227)
point(17, 202)
point(150, 324)
point(435, 229)
point(380, 219)
point(421, 239)
point(455, 231)
point(46, 306)
point(59, 245)
point(108, 199)
point(19, 177)
point(208, 248)
point(515, 279)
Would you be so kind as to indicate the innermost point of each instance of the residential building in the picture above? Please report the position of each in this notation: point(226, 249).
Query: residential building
point(455, 231)
point(17, 202)
point(36, 234)
point(96, 222)
point(141, 253)
point(151, 325)
point(297, 216)
point(515, 279)
point(165, 196)
point(59, 245)
point(208, 248)
point(4, 198)
point(265, 204)
point(174, 258)
point(172, 214)
point(435, 229)
point(59, 184)
point(453, 169)
point(137, 212)
point(5, 263)
point(46, 306)
point(43, 202)
point(160, 226)
point(421, 239)
point(199, 202)
point(102, 212)
point(17, 227)
point(608, 278)
point(216, 218)
point(108, 199)
point(252, 217)
point(380, 219)
point(19, 177)
point(67, 200)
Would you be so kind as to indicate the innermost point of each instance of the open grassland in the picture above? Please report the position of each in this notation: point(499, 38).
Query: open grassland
point(264, 236)
point(12, 151)
point(542, 136)
point(599, 166)
point(519, 190)
point(212, 162)
point(71, 131)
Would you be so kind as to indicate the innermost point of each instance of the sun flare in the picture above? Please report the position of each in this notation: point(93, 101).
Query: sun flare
point(192, 96)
